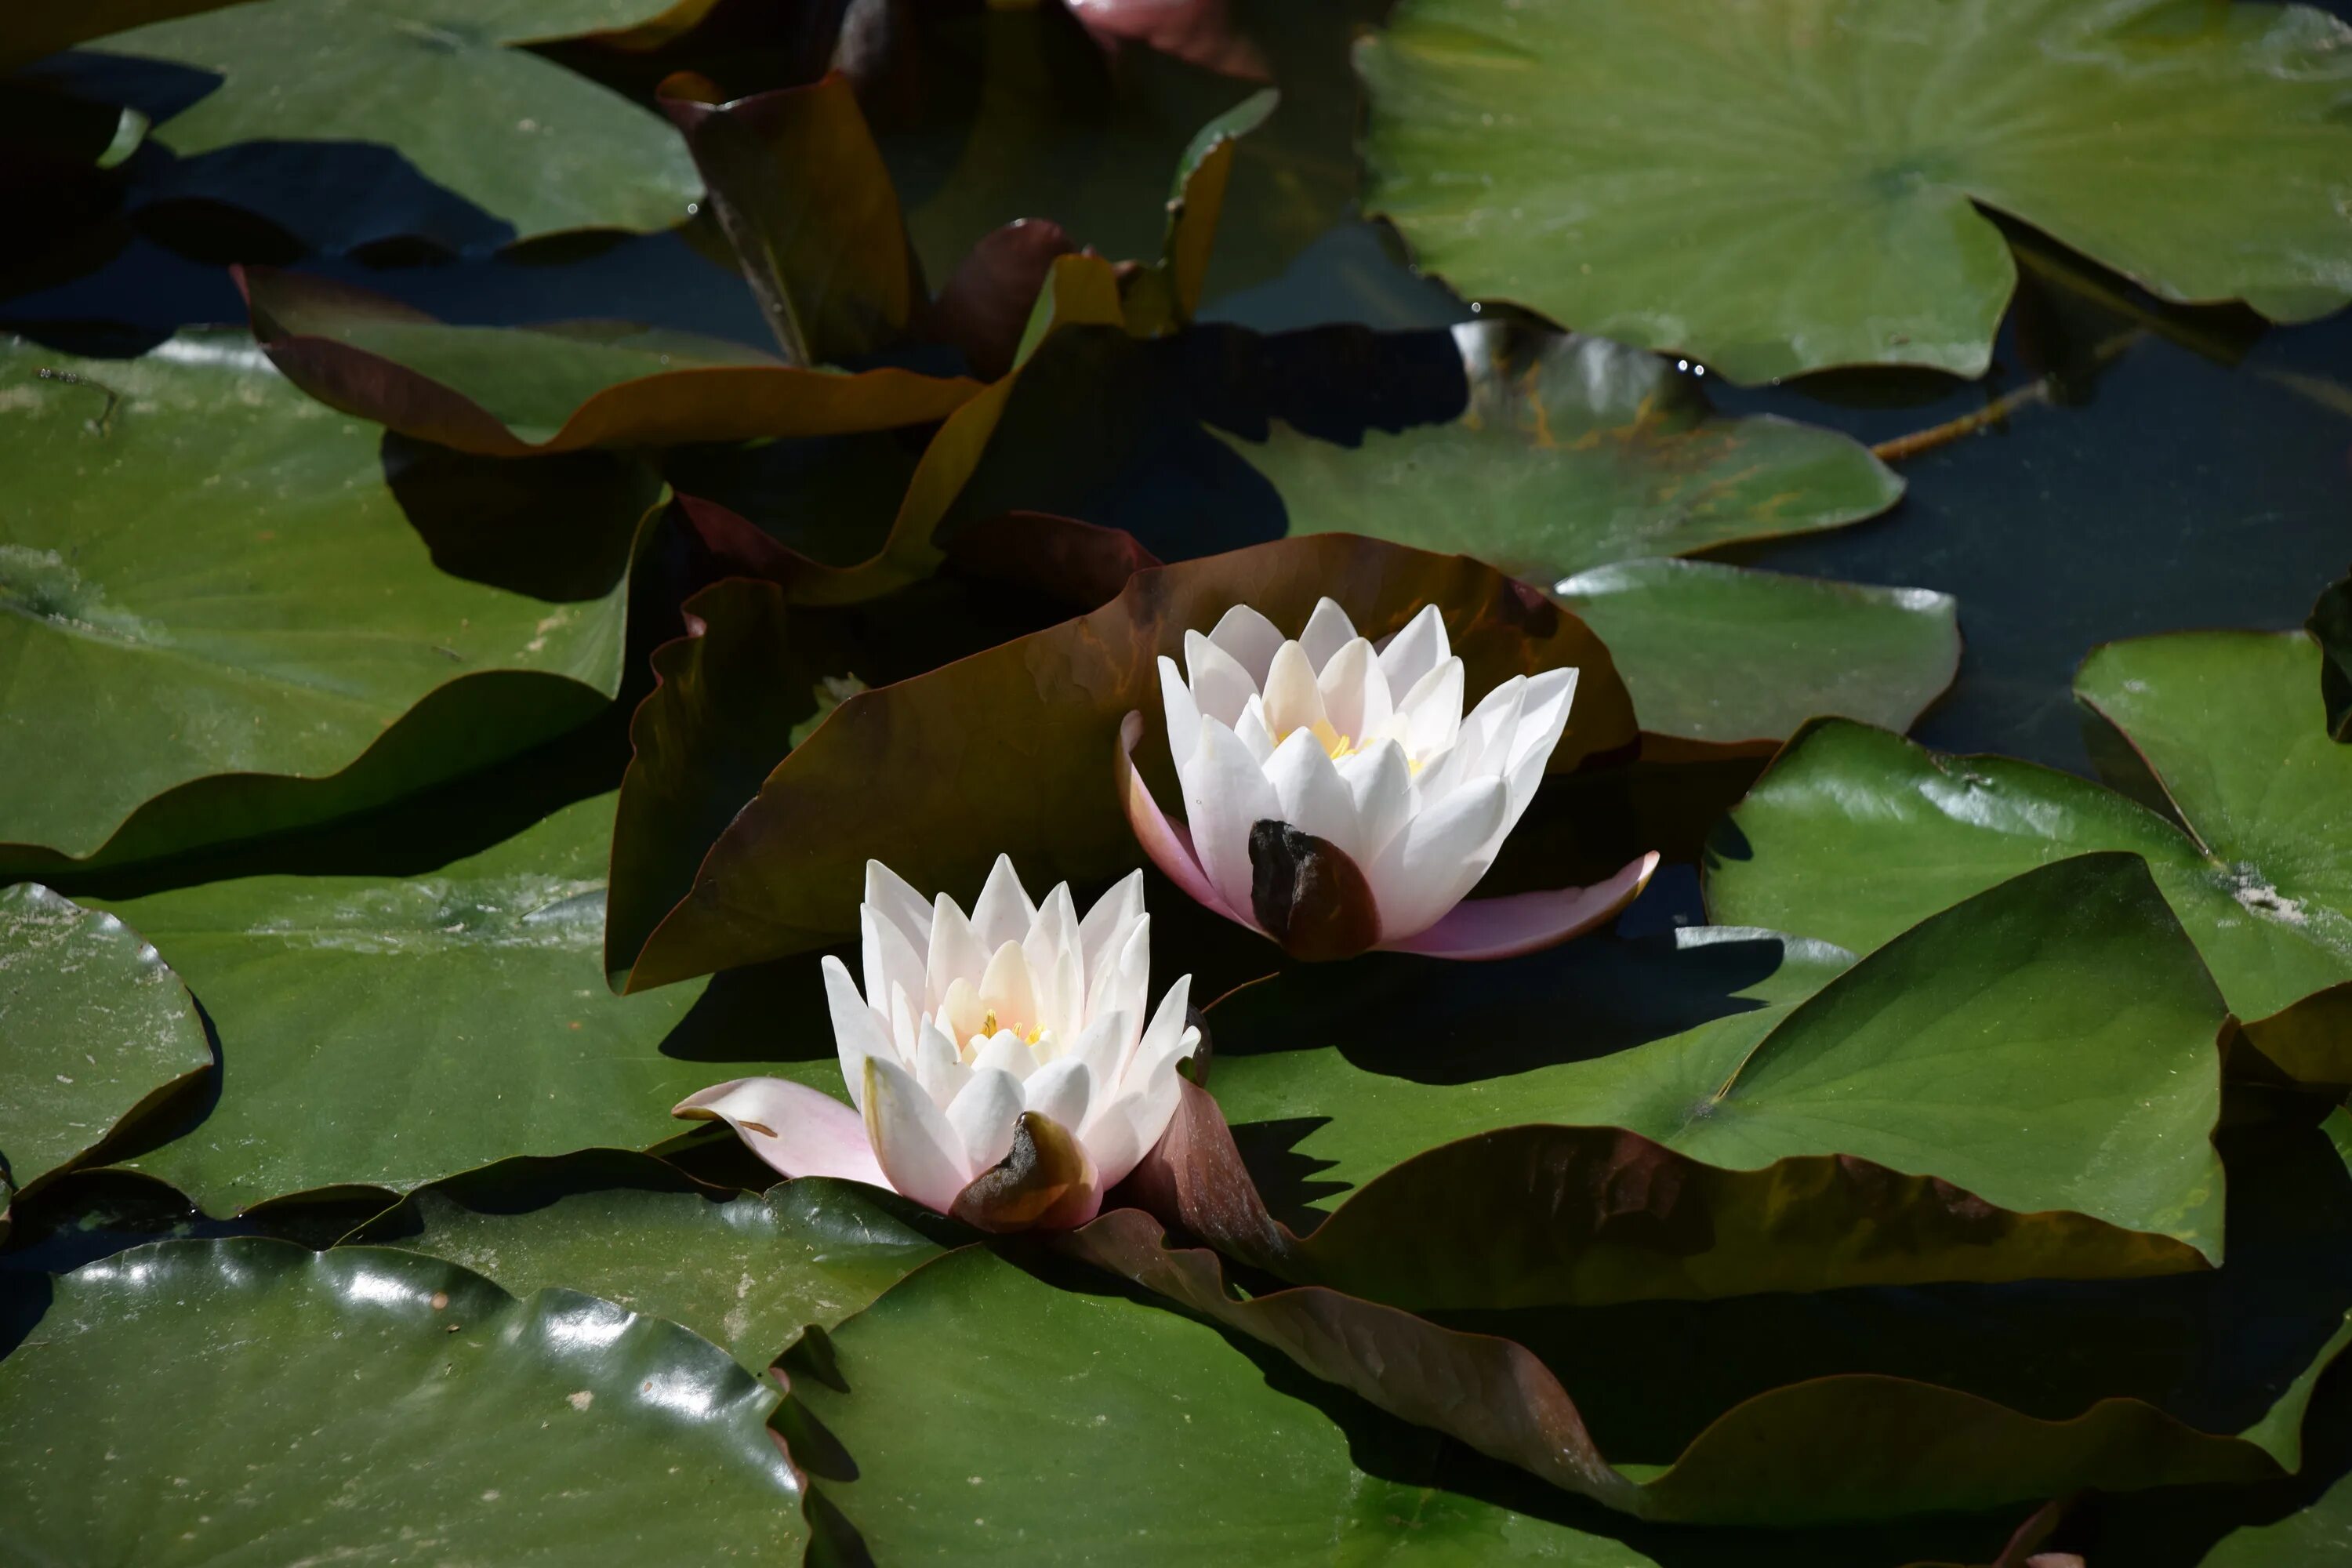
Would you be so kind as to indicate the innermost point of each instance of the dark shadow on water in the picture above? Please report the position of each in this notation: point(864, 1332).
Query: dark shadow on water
point(765, 1012)
point(557, 527)
point(1284, 1177)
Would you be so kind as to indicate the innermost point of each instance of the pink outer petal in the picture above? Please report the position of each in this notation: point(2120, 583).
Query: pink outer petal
point(799, 1131)
point(1168, 844)
point(1523, 923)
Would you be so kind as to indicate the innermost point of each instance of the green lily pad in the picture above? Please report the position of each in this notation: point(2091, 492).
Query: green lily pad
point(1854, 834)
point(93, 1026)
point(514, 392)
point(1802, 647)
point(1999, 1048)
point(746, 1270)
point(1574, 452)
point(434, 125)
point(457, 1018)
point(1792, 187)
point(193, 1402)
point(2331, 625)
point(893, 774)
point(994, 1418)
point(227, 595)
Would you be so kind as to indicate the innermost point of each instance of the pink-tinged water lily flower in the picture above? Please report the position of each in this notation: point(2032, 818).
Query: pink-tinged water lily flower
point(1002, 1064)
point(1337, 798)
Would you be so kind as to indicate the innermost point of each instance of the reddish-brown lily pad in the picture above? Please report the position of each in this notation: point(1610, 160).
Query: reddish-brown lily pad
point(1013, 750)
point(510, 392)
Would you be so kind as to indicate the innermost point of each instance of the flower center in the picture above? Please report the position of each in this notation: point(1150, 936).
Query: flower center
point(1339, 747)
point(1031, 1035)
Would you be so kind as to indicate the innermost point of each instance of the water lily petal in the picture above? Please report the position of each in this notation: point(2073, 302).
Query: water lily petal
point(1310, 793)
point(1255, 738)
point(1250, 639)
point(955, 955)
point(983, 1114)
point(1006, 989)
point(1225, 794)
point(1169, 844)
point(1103, 1044)
point(1061, 1090)
point(889, 895)
point(1490, 728)
point(1381, 785)
point(797, 1130)
point(1168, 1039)
point(1550, 697)
point(1293, 701)
point(890, 961)
point(1329, 630)
point(1427, 868)
point(938, 1066)
point(917, 1149)
point(1416, 650)
point(1432, 709)
point(1004, 1052)
point(1355, 692)
point(1524, 922)
point(1220, 685)
point(857, 1030)
point(1183, 715)
point(1003, 911)
point(1123, 984)
point(1051, 949)
point(1104, 929)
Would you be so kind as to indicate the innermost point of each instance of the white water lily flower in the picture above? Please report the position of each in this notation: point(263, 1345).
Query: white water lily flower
point(1337, 797)
point(1006, 1053)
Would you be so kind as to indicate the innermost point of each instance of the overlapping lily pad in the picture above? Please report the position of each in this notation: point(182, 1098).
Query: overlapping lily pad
point(2331, 623)
point(1784, 1410)
point(424, 120)
point(454, 1018)
point(746, 1270)
point(1790, 186)
point(93, 1026)
point(1854, 834)
point(197, 1401)
point(1943, 1110)
point(1011, 751)
point(228, 596)
point(992, 1417)
point(512, 392)
point(1802, 646)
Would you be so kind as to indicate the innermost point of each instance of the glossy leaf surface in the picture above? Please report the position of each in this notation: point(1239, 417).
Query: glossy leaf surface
point(93, 1025)
point(196, 1401)
point(1793, 186)
point(745, 1271)
point(230, 596)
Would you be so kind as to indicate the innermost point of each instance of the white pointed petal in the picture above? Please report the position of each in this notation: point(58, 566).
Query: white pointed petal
point(1220, 686)
point(982, 1117)
point(1183, 718)
point(1490, 728)
point(1226, 793)
point(1311, 795)
point(1550, 697)
point(1051, 949)
point(1250, 639)
point(858, 1031)
point(889, 895)
point(1125, 983)
point(956, 954)
point(1382, 788)
point(906, 1022)
point(891, 962)
point(1003, 911)
point(938, 1066)
point(1250, 728)
point(1427, 869)
point(1329, 630)
point(1061, 1090)
point(1102, 1044)
point(912, 1141)
point(1114, 1140)
point(797, 1130)
point(1293, 701)
point(960, 1012)
point(1168, 844)
point(1104, 931)
point(1416, 650)
point(1162, 1034)
point(1432, 710)
point(1346, 681)
point(1004, 1053)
